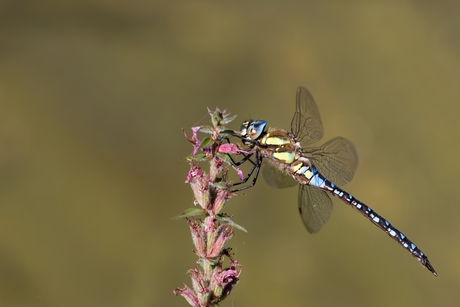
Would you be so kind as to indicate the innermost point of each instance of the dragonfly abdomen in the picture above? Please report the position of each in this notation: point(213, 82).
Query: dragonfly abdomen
point(376, 219)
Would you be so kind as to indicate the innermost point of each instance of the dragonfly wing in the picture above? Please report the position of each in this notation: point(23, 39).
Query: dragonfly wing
point(337, 160)
point(275, 177)
point(315, 207)
point(306, 124)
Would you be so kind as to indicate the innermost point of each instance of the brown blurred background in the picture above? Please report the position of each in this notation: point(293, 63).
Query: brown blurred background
point(93, 96)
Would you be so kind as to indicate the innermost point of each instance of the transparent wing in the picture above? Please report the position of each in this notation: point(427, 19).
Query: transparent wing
point(315, 207)
point(337, 160)
point(306, 124)
point(275, 177)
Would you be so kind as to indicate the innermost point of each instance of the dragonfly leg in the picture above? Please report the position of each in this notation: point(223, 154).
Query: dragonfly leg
point(255, 167)
point(246, 157)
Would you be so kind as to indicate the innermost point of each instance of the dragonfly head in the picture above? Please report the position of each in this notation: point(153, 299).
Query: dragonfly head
point(252, 130)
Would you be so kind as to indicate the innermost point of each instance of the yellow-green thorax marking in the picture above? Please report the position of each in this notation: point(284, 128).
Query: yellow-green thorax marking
point(282, 149)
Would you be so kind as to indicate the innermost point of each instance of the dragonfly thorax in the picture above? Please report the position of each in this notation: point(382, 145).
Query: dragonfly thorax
point(284, 151)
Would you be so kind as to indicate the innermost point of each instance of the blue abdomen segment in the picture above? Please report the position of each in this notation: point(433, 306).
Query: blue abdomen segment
point(319, 181)
point(312, 176)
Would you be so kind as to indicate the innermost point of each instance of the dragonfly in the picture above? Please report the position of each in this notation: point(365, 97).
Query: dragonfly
point(319, 171)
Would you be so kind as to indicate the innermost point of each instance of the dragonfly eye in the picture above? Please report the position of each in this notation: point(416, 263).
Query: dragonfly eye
point(256, 128)
point(244, 128)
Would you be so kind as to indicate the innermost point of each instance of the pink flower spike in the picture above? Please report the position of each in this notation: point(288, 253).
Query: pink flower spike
point(212, 281)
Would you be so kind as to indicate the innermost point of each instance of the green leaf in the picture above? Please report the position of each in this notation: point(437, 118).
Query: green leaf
point(227, 220)
point(189, 212)
point(205, 143)
point(207, 129)
point(227, 120)
point(226, 158)
point(230, 132)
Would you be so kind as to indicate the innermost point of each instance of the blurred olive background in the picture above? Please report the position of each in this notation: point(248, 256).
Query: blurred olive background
point(93, 96)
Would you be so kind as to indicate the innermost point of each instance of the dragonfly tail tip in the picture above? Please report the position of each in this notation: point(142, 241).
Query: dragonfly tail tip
point(430, 268)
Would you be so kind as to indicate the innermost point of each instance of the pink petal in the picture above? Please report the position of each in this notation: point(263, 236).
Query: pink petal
point(195, 130)
point(228, 148)
point(240, 172)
